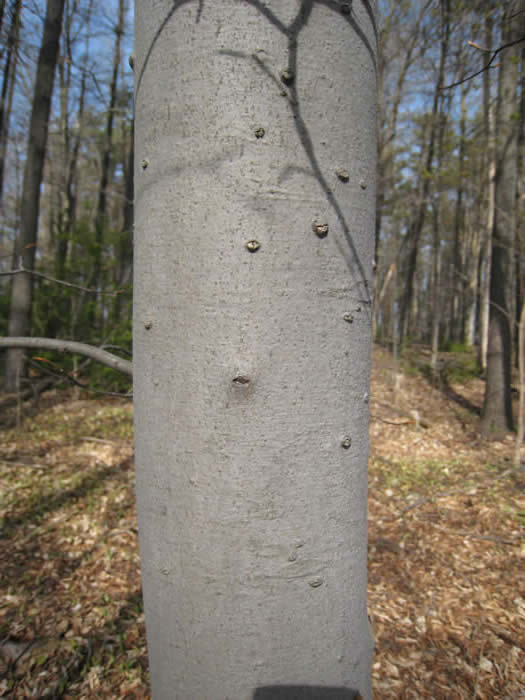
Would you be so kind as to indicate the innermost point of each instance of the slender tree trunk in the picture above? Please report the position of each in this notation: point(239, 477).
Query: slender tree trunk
point(416, 228)
point(59, 169)
point(520, 433)
point(125, 245)
point(497, 407)
point(2, 9)
point(458, 289)
point(487, 255)
point(100, 218)
point(380, 297)
point(436, 284)
point(25, 247)
point(390, 113)
point(519, 244)
point(472, 263)
point(255, 207)
point(8, 83)
point(437, 293)
point(488, 200)
point(72, 164)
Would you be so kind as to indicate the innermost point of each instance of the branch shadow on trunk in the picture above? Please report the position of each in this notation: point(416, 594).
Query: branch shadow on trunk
point(292, 32)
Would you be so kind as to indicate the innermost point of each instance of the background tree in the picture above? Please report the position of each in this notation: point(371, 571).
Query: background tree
point(8, 83)
point(106, 156)
point(255, 199)
point(434, 214)
point(22, 288)
point(497, 406)
point(82, 169)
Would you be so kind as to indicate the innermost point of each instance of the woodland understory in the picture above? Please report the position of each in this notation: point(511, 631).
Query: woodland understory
point(446, 547)
point(78, 231)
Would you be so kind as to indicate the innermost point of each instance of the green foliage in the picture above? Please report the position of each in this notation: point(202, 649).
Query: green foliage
point(73, 312)
point(101, 378)
point(457, 347)
point(457, 364)
point(424, 475)
point(463, 368)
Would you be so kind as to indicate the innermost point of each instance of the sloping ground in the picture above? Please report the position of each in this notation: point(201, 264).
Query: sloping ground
point(447, 597)
point(447, 554)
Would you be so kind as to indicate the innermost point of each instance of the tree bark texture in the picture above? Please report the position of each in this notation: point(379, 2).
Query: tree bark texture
point(25, 247)
point(497, 406)
point(254, 241)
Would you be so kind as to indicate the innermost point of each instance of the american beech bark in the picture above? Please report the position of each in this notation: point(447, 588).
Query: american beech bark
point(254, 240)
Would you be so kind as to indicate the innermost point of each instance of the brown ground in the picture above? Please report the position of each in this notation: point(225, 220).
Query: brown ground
point(447, 550)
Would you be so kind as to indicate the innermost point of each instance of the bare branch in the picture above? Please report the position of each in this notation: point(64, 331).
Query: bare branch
point(489, 62)
point(87, 290)
point(97, 354)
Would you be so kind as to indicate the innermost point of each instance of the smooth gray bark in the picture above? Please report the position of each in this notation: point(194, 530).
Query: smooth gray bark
point(254, 239)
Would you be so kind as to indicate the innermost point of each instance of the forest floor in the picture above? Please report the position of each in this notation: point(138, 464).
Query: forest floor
point(446, 565)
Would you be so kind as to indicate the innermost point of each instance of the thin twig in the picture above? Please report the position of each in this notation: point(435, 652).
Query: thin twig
point(102, 441)
point(78, 287)
point(487, 65)
point(502, 634)
point(429, 499)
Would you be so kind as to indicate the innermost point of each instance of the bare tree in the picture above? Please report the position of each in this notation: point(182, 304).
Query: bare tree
point(101, 213)
point(497, 406)
point(25, 247)
point(416, 226)
point(8, 84)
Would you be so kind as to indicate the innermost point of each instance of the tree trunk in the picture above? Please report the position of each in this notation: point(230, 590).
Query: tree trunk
point(124, 271)
point(489, 201)
point(100, 218)
point(458, 273)
point(387, 126)
point(25, 247)
point(59, 317)
point(437, 292)
point(519, 243)
point(497, 406)
point(255, 199)
point(520, 432)
point(8, 83)
point(472, 265)
point(416, 228)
